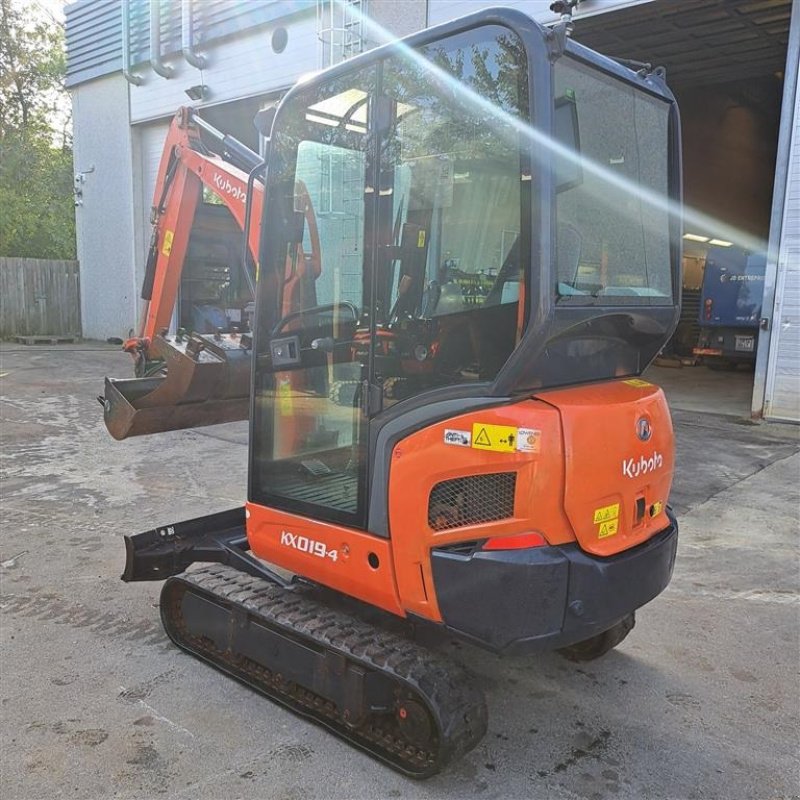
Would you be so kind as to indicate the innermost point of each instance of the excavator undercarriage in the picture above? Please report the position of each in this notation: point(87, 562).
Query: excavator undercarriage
point(379, 690)
point(341, 664)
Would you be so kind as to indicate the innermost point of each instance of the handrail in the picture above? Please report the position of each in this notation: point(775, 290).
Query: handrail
point(187, 46)
point(136, 80)
point(248, 212)
point(159, 67)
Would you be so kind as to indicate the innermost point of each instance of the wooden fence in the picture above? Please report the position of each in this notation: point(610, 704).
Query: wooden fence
point(39, 297)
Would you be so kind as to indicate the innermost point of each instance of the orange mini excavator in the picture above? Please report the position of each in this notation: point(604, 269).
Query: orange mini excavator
point(498, 261)
point(186, 381)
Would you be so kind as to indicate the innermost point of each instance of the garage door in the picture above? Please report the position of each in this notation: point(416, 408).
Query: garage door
point(782, 400)
point(149, 141)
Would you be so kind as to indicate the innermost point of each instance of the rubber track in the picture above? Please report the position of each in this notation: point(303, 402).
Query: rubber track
point(446, 688)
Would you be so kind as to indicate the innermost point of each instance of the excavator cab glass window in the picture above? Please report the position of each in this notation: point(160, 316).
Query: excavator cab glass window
point(612, 217)
point(454, 188)
point(418, 187)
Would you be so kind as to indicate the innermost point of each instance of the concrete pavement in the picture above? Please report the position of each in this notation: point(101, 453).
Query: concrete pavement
point(701, 700)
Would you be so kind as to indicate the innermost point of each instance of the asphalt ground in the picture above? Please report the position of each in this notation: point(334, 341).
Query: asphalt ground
point(700, 701)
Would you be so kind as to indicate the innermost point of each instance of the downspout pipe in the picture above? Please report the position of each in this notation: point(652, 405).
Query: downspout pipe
point(187, 46)
point(136, 80)
point(159, 67)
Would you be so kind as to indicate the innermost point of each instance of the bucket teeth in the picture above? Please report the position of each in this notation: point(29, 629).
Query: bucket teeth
point(395, 700)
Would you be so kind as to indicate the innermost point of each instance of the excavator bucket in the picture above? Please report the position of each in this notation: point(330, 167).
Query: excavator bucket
point(207, 382)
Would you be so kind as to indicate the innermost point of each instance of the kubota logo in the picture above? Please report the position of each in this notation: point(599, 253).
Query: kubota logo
point(631, 468)
point(224, 185)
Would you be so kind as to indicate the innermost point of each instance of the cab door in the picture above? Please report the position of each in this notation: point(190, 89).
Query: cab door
point(313, 343)
point(420, 195)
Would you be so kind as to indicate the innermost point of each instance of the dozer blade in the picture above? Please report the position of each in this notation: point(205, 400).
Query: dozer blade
point(415, 710)
point(207, 382)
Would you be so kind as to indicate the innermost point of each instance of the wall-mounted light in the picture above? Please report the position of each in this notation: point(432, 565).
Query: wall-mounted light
point(693, 237)
point(198, 92)
point(721, 243)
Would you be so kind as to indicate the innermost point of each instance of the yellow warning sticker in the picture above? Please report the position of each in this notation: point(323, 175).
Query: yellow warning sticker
point(501, 438)
point(656, 508)
point(638, 382)
point(606, 513)
point(608, 528)
point(421, 239)
point(166, 248)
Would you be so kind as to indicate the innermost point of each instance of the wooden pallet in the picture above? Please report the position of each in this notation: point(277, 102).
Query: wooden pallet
point(44, 339)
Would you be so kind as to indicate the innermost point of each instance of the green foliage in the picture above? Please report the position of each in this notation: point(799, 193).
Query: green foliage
point(37, 216)
point(449, 115)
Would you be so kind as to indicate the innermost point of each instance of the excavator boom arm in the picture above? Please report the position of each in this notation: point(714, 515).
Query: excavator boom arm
point(186, 168)
point(207, 377)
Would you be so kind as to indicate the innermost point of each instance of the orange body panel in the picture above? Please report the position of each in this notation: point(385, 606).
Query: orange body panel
point(423, 459)
point(586, 480)
point(350, 572)
point(608, 465)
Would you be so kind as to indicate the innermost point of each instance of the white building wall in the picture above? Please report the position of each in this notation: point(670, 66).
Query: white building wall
point(105, 232)
point(782, 397)
point(236, 68)
point(444, 10)
point(398, 19)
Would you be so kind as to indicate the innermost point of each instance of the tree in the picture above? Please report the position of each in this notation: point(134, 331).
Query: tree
point(37, 218)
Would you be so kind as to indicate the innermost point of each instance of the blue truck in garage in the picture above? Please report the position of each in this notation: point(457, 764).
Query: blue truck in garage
point(730, 306)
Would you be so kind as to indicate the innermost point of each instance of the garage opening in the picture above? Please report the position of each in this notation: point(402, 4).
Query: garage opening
point(724, 61)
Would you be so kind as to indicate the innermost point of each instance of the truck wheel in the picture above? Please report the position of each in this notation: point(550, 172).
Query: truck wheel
point(599, 645)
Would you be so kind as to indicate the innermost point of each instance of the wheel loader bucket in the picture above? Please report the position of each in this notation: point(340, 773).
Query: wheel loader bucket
point(207, 382)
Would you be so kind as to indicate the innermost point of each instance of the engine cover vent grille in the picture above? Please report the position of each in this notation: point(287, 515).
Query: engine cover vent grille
point(471, 500)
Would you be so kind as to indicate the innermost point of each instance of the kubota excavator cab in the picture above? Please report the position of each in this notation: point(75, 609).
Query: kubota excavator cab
point(455, 431)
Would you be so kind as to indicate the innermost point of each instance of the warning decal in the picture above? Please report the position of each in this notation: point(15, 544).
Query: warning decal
point(166, 249)
point(500, 438)
point(607, 528)
point(505, 438)
point(606, 513)
point(607, 520)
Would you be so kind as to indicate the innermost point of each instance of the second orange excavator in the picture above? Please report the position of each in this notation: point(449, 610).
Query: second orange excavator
point(201, 378)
